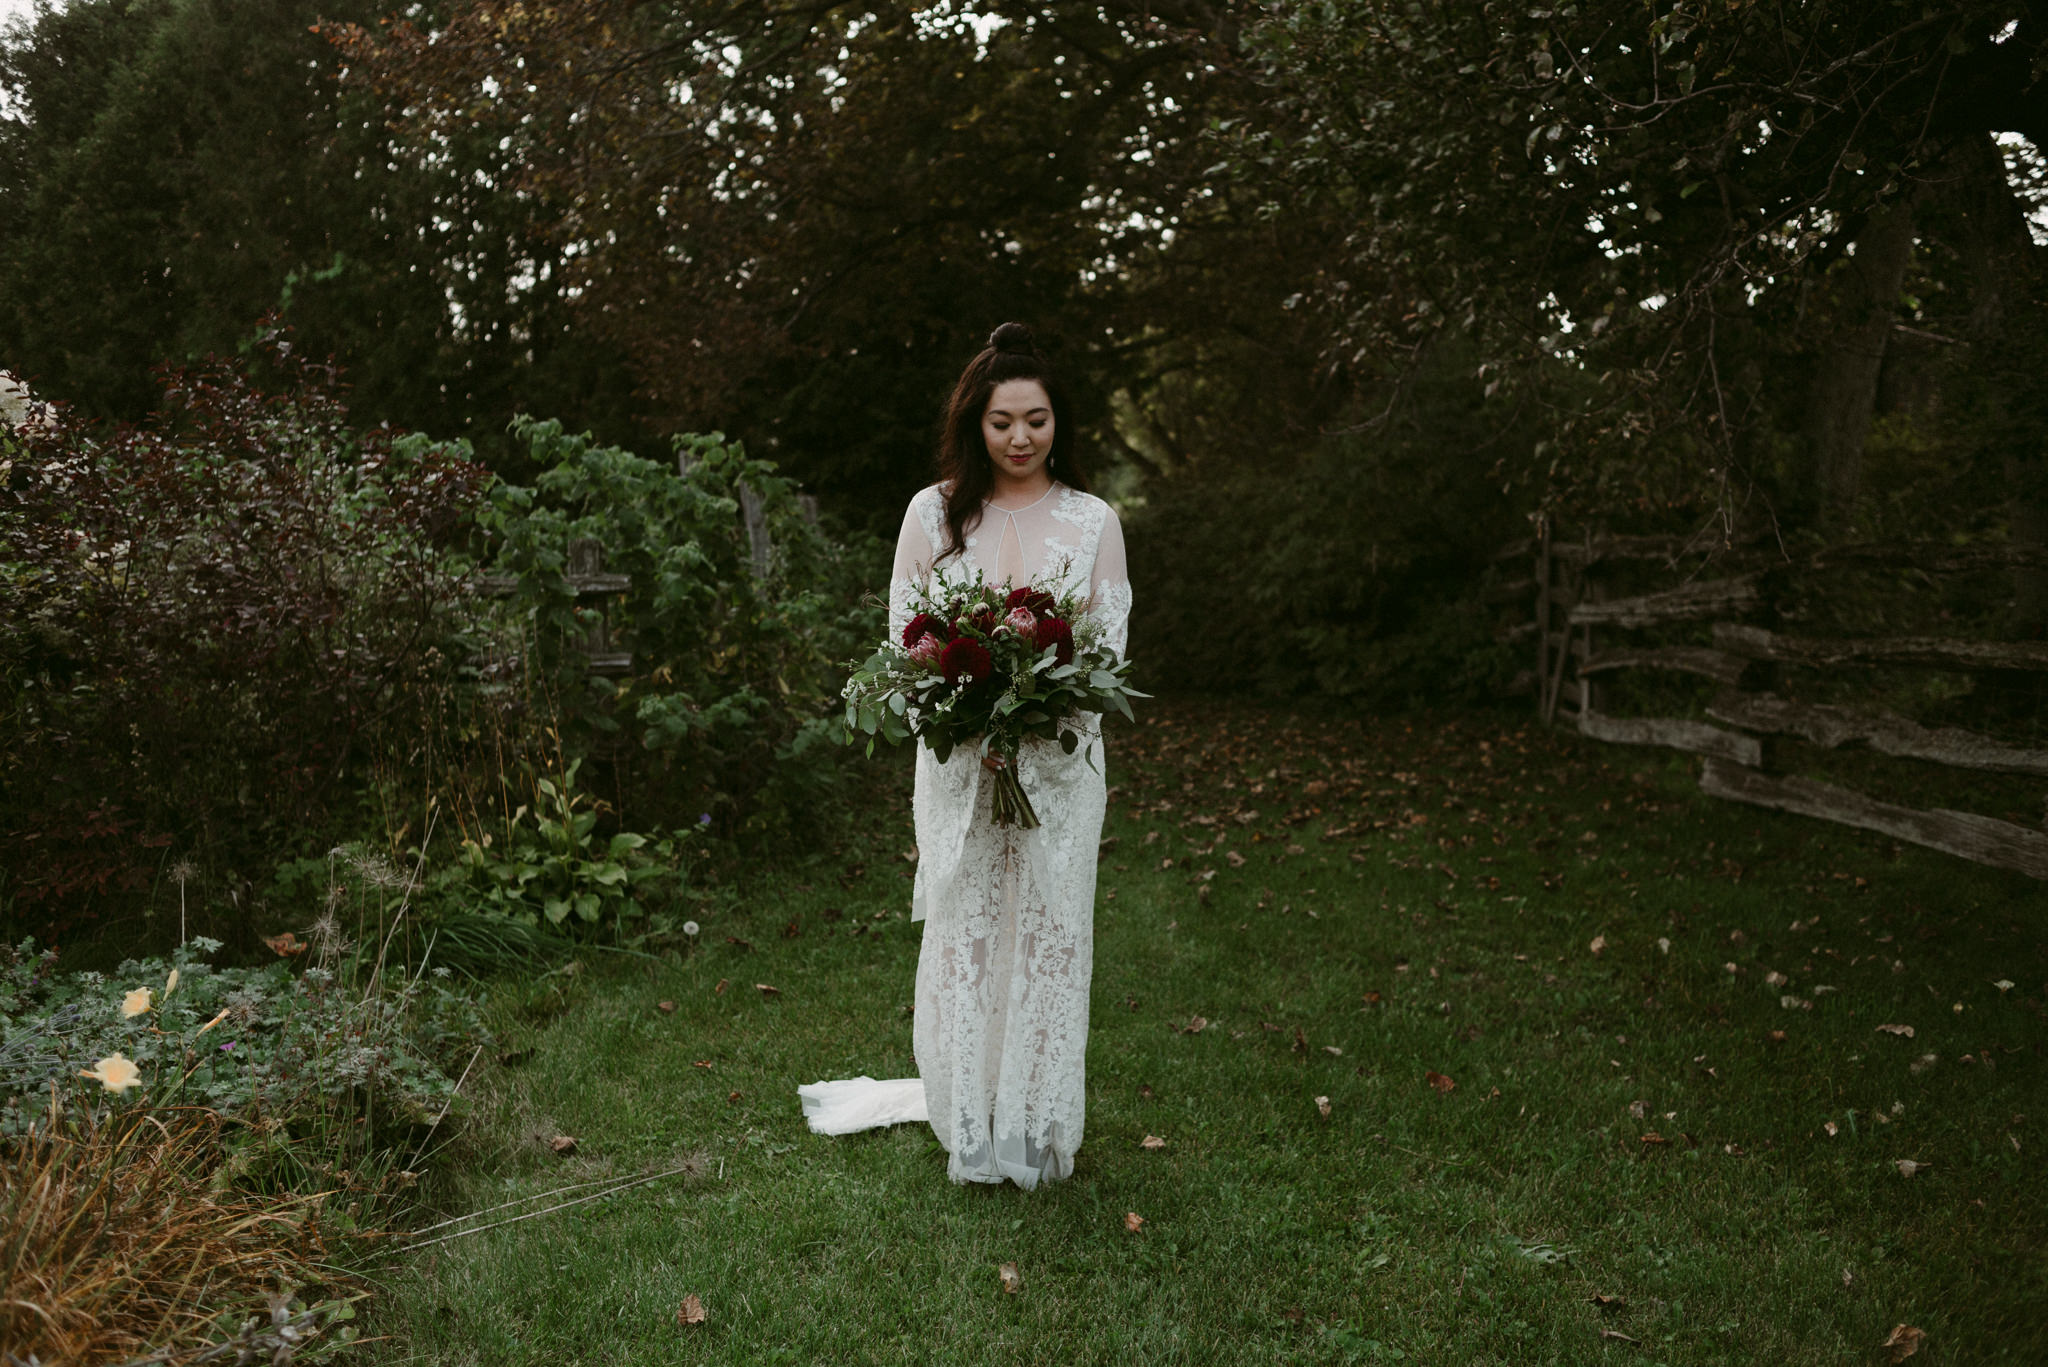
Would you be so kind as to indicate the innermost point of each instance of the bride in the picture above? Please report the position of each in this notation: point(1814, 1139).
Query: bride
point(1001, 1018)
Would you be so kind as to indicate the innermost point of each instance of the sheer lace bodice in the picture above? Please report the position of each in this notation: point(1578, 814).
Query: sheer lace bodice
point(1000, 1026)
point(1066, 540)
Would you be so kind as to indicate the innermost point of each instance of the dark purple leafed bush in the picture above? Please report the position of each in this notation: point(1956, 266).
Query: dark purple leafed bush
point(211, 626)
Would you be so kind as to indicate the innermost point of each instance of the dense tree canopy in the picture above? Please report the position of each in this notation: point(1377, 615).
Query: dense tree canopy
point(1646, 265)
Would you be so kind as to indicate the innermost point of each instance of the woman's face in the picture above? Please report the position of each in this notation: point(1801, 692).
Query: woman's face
point(1017, 427)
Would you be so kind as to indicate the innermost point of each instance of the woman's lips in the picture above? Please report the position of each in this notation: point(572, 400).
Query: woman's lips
point(1019, 460)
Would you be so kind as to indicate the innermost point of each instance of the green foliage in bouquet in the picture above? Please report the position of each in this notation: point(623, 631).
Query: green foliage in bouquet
point(984, 667)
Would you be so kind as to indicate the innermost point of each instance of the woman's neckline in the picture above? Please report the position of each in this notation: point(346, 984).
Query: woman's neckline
point(1049, 491)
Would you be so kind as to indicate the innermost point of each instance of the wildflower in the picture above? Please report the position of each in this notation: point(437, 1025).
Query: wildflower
point(228, 1048)
point(215, 1021)
point(690, 929)
point(704, 820)
point(135, 1003)
point(115, 1072)
point(171, 983)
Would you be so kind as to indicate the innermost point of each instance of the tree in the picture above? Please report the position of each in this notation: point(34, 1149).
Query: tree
point(171, 170)
point(1708, 208)
point(800, 219)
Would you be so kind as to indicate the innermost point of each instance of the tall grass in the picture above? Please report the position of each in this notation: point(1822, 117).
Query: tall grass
point(116, 1237)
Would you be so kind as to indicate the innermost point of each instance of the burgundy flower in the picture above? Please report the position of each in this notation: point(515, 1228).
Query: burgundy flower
point(982, 618)
point(1053, 631)
point(921, 625)
point(1036, 601)
point(965, 658)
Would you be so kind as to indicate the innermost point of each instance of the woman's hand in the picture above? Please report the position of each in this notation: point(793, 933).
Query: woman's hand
point(993, 763)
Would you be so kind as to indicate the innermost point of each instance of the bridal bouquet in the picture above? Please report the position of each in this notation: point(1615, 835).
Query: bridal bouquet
point(980, 666)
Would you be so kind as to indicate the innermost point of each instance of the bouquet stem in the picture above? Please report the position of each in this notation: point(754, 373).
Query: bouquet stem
point(1011, 806)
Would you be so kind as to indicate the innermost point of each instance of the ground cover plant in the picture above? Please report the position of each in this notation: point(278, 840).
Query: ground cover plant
point(1429, 1038)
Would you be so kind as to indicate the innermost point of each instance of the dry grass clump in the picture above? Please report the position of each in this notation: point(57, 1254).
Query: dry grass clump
point(115, 1240)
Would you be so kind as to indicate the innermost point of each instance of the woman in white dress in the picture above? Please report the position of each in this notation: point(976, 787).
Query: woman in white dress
point(1000, 1027)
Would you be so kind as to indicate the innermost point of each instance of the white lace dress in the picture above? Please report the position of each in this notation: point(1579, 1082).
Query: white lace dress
point(1001, 1022)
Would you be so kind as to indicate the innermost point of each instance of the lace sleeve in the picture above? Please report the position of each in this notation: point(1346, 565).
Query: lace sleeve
point(1110, 600)
point(914, 555)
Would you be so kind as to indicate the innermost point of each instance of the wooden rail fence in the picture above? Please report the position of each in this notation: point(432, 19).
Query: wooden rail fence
point(1747, 663)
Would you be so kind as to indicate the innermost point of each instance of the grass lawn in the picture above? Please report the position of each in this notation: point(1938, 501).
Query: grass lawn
point(1653, 1022)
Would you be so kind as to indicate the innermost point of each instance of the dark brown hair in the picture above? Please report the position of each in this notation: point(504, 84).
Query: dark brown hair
point(965, 475)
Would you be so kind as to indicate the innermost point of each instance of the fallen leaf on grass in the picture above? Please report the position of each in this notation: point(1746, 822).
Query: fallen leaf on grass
point(1902, 1031)
point(1333, 1050)
point(1654, 1138)
point(1638, 1110)
point(1323, 1107)
point(691, 1311)
point(1775, 979)
point(765, 990)
point(1371, 999)
point(1832, 1128)
point(1599, 944)
point(1617, 1334)
point(1775, 1036)
point(1792, 1003)
point(1151, 1141)
point(1907, 1167)
point(1439, 1081)
point(1607, 1302)
point(1905, 1341)
point(732, 1096)
point(1923, 1063)
point(700, 1063)
point(666, 1008)
point(1196, 1025)
point(2003, 984)
point(719, 990)
point(1145, 1091)
point(563, 1145)
point(1133, 1220)
point(1012, 1280)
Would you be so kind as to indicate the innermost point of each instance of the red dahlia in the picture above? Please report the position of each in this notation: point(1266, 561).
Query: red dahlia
point(965, 658)
point(921, 625)
point(1037, 601)
point(1052, 631)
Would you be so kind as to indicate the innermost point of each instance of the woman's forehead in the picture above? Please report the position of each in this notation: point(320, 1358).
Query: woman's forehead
point(1018, 396)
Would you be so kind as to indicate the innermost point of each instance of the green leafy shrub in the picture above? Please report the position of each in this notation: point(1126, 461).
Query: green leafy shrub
point(1353, 568)
point(213, 628)
point(726, 709)
point(294, 1055)
point(556, 869)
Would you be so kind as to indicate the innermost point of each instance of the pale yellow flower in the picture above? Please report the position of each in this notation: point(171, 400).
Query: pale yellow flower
point(215, 1021)
point(116, 1073)
point(171, 983)
point(135, 1003)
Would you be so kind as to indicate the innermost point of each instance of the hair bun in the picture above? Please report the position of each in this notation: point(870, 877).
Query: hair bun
point(1014, 338)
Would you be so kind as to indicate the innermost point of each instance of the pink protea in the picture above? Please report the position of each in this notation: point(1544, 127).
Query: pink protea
point(1022, 622)
point(927, 650)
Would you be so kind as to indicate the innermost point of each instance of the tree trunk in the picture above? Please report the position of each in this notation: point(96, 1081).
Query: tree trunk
point(1865, 299)
point(2010, 339)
